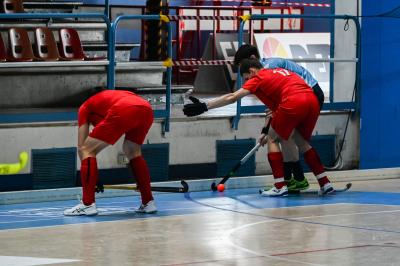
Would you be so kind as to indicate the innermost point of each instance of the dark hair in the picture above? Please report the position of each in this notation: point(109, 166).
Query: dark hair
point(245, 51)
point(248, 63)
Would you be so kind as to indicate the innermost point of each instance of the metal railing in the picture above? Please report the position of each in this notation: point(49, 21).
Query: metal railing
point(45, 116)
point(165, 113)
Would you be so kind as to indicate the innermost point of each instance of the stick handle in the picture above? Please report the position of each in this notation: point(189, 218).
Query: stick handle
point(183, 189)
point(250, 153)
point(240, 163)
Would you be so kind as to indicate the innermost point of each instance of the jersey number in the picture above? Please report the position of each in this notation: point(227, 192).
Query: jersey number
point(283, 72)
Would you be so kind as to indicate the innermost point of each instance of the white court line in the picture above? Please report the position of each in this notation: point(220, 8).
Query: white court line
point(69, 205)
point(28, 221)
point(30, 261)
point(227, 240)
point(97, 222)
point(62, 208)
point(341, 214)
point(77, 217)
point(25, 212)
point(130, 210)
point(227, 237)
point(276, 219)
point(373, 204)
point(26, 216)
point(72, 204)
point(312, 205)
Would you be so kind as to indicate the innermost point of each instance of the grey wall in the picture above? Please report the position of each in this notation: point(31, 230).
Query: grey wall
point(345, 48)
point(191, 141)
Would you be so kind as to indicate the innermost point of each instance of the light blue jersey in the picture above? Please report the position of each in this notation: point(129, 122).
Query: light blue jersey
point(291, 66)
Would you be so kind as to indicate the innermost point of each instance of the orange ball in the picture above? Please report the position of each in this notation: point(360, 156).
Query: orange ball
point(221, 187)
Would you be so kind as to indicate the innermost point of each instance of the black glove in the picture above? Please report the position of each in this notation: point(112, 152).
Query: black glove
point(195, 108)
point(265, 129)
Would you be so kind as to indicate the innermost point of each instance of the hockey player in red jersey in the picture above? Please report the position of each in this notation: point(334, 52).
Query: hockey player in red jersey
point(113, 113)
point(295, 112)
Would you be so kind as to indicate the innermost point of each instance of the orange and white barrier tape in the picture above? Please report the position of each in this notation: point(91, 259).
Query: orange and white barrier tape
point(275, 3)
point(202, 63)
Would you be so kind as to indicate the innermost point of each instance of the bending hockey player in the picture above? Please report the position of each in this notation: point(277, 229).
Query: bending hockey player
point(295, 112)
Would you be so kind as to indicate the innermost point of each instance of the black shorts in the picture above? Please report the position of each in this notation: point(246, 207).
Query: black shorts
point(320, 95)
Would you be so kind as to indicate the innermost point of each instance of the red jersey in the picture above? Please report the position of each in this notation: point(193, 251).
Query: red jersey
point(95, 109)
point(273, 86)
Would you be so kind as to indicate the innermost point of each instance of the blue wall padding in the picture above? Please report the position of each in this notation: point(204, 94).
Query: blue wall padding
point(157, 158)
point(15, 182)
point(380, 93)
point(229, 152)
point(53, 168)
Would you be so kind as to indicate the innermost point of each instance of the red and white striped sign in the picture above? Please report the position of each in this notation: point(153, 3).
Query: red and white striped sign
point(178, 17)
point(275, 3)
point(202, 63)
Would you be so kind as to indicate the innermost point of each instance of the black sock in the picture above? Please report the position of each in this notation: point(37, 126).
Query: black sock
point(298, 172)
point(287, 167)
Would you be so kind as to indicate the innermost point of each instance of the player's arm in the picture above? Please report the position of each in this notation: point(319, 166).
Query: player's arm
point(198, 107)
point(227, 98)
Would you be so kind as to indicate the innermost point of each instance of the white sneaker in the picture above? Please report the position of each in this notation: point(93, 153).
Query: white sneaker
point(81, 209)
point(326, 189)
point(150, 207)
point(275, 192)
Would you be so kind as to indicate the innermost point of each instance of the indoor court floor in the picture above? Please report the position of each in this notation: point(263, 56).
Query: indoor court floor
point(236, 227)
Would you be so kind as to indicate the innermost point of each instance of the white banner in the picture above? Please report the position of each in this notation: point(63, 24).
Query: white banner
point(299, 45)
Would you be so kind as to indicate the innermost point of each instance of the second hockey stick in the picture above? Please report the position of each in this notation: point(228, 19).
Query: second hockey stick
point(241, 162)
point(236, 167)
point(183, 189)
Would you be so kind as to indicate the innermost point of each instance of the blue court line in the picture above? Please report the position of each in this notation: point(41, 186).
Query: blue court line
point(42, 214)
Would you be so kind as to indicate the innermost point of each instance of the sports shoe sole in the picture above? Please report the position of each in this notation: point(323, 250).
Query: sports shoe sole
point(142, 212)
point(280, 195)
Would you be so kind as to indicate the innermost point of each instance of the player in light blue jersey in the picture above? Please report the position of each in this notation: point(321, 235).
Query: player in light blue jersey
point(277, 62)
point(294, 174)
point(249, 51)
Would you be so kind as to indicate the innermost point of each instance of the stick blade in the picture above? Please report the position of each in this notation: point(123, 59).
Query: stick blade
point(23, 159)
point(185, 186)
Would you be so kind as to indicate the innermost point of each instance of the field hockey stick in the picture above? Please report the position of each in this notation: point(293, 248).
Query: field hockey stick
point(236, 167)
point(183, 189)
point(14, 168)
point(242, 161)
